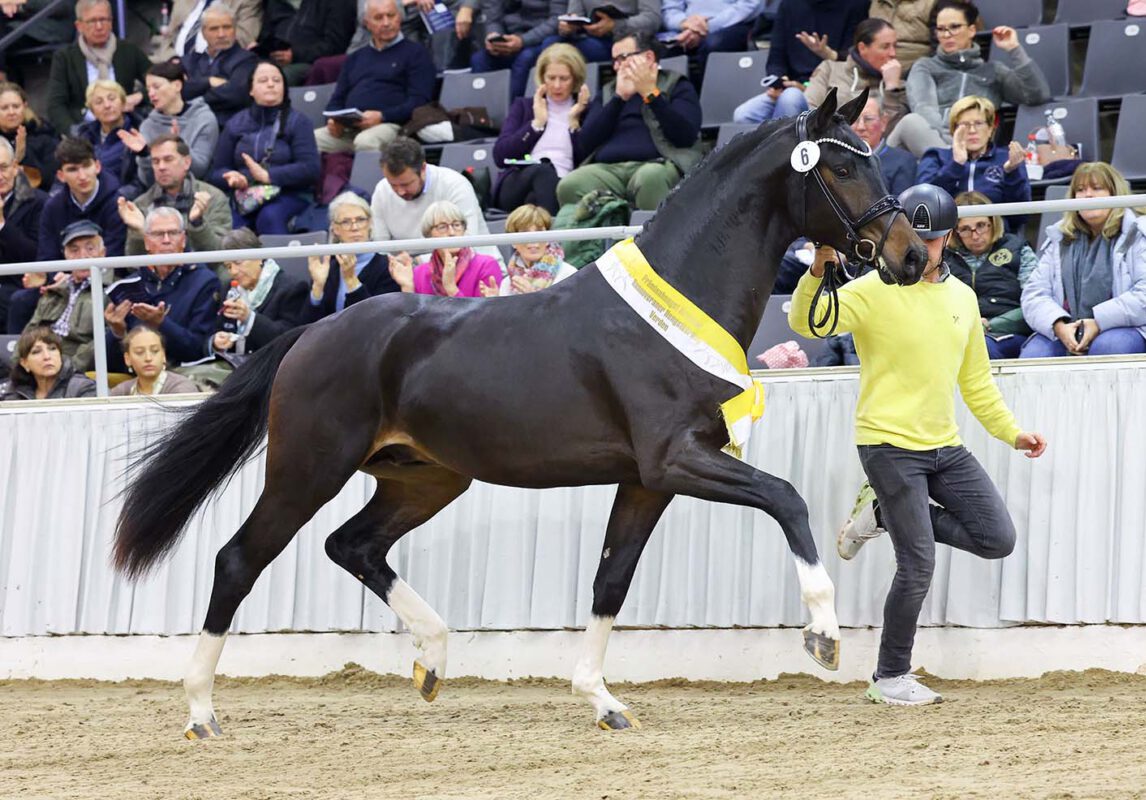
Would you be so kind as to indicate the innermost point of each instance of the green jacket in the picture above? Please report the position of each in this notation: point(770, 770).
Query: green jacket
point(685, 158)
point(206, 234)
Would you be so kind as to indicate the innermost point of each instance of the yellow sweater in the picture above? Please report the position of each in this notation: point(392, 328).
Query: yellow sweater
point(914, 344)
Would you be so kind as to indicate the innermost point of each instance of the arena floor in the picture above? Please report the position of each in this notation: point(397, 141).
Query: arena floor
point(354, 734)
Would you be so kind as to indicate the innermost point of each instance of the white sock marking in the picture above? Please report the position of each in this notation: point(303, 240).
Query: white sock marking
point(424, 624)
point(200, 678)
point(588, 676)
point(819, 595)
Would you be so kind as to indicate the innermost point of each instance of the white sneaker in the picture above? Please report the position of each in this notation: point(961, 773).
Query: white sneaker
point(902, 690)
point(861, 527)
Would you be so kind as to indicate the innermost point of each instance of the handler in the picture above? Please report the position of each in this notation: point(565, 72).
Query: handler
point(915, 343)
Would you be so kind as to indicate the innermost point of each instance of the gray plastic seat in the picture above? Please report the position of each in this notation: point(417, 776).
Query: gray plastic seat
point(295, 267)
point(1115, 59)
point(1129, 144)
point(1049, 47)
point(460, 155)
point(1048, 218)
point(488, 89)
point(1016, 13)
point(729, 80)
point(367, 170)
point(1084, 12)
point(311, 101)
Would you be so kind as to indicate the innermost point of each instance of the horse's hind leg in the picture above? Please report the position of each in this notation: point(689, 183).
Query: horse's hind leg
point(631, 522)
point(400, 504)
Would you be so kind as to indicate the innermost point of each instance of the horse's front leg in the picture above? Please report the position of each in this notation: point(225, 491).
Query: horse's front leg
point(634, 515)
point(700, 471)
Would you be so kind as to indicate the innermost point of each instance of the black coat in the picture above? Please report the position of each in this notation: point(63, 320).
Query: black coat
point(281, 310)
point(20, 234)
point(40, 151)
point(317, 28)
point(68, 80)
point(235, 65)
point(375, 279)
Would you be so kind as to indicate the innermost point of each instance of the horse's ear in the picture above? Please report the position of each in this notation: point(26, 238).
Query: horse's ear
point(851, 110)
point(821, 118)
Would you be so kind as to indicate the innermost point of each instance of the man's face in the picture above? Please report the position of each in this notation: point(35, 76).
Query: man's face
point(8, 170)
point(382, 20)
point(869, 125)
point(407, 184)
point(80, 178)
point(170, 168)
point(626, 54)
point(83, 247)
point(164, 236)
point(219, 31)
point(95, 25)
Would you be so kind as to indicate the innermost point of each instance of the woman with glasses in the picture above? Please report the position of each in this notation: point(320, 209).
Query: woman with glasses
point(343, 280)
point(451, 271)
point(996, 264)
point(957, 69)
point(974, 163)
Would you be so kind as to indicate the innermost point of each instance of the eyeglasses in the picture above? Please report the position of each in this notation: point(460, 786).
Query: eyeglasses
point(978, 229)
point(973, 125)
point(164, 234)
point(869, 119)
point(446, 227)
point(623, 57)
point(353, 222)
point(97, 21)
point(944, 31)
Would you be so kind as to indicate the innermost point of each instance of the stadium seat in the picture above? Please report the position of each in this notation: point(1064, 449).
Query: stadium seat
point(1049, 47)
point(1084, 12)
point(729, 130)
point(1016, 13)
point(498, 226)
point(1115, 59)
point(487, 89)
point(1048, 218)
point(729, 80)
point(295, 267)
point(367, 170)
point(460, 155)
point(640, 217)
point(676, 64)
point(1129, 144)
point(592, 80)
point(1079, 118)
point(310, 101)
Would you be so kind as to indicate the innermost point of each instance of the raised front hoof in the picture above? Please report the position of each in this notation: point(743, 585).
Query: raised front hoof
point(426, 682)
point(619, 721)
point(824, 649)
point(203, 730)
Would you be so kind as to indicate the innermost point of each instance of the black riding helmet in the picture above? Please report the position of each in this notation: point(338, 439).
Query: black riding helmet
point(930, 210)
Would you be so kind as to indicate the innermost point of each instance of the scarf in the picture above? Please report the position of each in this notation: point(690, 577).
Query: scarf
point(542, 273)
point(100, 57)
point(864, 65)
point(1087, 274)
point(464, 257)
point(156, 389)
point(263, 287)
point(181, 202)
point(63, 325)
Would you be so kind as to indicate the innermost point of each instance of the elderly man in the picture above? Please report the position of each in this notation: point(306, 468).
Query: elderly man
point(95, 54)
point(20, 206)
point(221, 73)
point(386, 81)
point(206, 212)
point(181, 302)
point(186, 27)
point(897, 166)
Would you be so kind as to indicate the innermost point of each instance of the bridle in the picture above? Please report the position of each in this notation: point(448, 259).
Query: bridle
point(863, 249)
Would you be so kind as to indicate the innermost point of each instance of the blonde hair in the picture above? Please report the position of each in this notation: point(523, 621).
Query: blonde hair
point(441, 211)
point(972, 103)
point(566, 54)
point(528, 218)
point(978, 199)
point(103, 86)
point(1096, 175)
point(349, 199)
point(17, 89)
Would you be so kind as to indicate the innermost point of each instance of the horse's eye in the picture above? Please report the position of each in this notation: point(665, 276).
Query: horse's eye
point(842, 172)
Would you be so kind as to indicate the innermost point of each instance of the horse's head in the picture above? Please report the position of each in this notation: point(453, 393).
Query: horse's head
point(847, 206)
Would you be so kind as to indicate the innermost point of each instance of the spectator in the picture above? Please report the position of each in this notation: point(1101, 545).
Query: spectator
point(274, 302)
point(596, 40)
point(343, 280)
point(386, 81)
point(515, 34)
point(996, 264)
point(411, 185)
point(206, 213)
point(95, 55)
point(298, 32)
point(973, 163)
point(187, 27)
point(912, 22)
point(36, 152)
point(710, 26)
point(89, 195)
point(956, 70)
point(871, 64)
point(534, 266)
point(182, 302)
point(40, 371)
point(145, 355)
point(20, 207)
point(221, 72)
point(192, 121)
point(897, 166)
point(107, 103)
point(66, 307)
point(1088, 292)
point(450, 47)
point(451, 271)
point(641, 134)
point(264, 147)
point(542, 129)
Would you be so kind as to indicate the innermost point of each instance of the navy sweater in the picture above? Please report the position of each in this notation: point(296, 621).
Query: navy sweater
point(192, 294)
point(394, 81)
point(60, 211)
point(836, 18)
point(294, 161)
point(619, 130)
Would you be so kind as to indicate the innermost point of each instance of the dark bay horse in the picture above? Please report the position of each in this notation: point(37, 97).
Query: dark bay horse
point(563, 387)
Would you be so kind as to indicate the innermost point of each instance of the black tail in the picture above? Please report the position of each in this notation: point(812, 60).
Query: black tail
point(181, 470)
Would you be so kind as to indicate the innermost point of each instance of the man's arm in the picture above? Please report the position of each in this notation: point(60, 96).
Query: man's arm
point(853, 304)
point(978, 388)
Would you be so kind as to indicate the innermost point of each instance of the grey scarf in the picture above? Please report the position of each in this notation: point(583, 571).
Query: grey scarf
point(100, 57)
point(1087, 274)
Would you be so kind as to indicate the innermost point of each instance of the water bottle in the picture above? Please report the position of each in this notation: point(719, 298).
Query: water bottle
point(1034, 168)
point(234, 293)
point(165, 20)
point(1055, 132)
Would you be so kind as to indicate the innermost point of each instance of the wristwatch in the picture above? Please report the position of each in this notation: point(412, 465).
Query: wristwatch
point(653, 95)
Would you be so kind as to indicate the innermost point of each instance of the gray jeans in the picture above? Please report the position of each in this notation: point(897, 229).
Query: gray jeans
point(973, 517)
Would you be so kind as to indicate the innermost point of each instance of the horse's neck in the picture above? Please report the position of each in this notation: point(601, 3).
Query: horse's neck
point(722, 250)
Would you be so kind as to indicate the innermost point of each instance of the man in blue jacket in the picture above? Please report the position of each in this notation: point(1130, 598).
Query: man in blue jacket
point(88, 195)
point(221, 74)
point(896, 165)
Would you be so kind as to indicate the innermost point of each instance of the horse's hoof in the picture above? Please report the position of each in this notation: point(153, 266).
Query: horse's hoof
point(203, 730)
point(426, 682)
point(824, 649)
point(618, 721)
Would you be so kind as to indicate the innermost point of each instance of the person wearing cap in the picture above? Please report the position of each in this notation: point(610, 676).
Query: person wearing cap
point(916, 344)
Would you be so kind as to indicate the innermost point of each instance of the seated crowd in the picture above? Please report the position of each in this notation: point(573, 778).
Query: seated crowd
point(196, 147)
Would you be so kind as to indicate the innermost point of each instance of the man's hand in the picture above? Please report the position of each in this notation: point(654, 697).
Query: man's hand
point(511, 45)
point(644, 76)
point(130, 214)
point(825, 255)
point(222, 342)
point(149, 315)
point(689, 39)
point(116, 317)
point(463, 22)
point(369, 119)
point(199, 206)
point(335, 128)
point(697, 24)
point(565, 29)
point(1005, 37)
point(602, 25)
point(1034, 444)
point(216, 81)
point(282, 57)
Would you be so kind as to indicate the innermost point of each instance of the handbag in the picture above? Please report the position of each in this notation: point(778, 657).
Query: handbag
point(252, 198)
